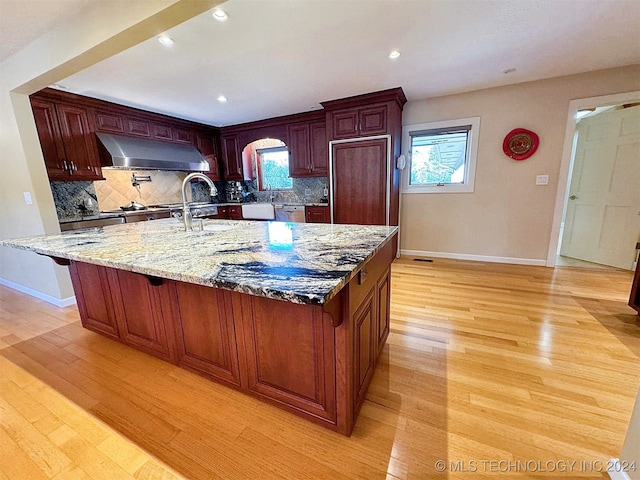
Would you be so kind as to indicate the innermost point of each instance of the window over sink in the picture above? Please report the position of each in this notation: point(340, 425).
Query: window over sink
point(273, 168)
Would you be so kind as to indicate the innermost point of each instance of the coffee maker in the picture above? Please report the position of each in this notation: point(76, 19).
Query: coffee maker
point(235, 192)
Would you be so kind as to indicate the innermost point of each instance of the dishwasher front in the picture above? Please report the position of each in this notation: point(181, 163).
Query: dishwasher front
point(290, 213)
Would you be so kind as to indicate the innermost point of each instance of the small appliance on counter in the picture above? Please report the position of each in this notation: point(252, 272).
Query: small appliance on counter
point(235, 192)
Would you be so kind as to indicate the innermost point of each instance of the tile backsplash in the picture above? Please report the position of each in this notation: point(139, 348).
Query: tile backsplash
point(76, 199)
point(118, 190)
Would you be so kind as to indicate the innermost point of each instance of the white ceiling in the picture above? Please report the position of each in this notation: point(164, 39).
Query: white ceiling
point(276, 57)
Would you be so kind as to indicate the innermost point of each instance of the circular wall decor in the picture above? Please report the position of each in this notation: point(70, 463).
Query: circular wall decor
point(520, 144)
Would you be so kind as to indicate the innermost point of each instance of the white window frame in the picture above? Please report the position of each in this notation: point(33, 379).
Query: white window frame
point(470, 162)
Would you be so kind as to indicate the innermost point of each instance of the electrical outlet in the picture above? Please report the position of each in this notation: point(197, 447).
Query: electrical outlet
point(542, 180)
point(307, 191)
point(27, 198)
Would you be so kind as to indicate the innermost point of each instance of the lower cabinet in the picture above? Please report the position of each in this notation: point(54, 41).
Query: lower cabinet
point(318, 214)
point(138, 306)
point(204, 331)
point(314, 361)
point(290, 355)
point(93, 294)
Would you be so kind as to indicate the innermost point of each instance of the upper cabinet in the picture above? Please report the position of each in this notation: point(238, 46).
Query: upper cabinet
point(231, 157)
point(67, 124)
point(206, 145)
point(378, 113)
point(359, 122)
point(68, 145)
point(308, 149)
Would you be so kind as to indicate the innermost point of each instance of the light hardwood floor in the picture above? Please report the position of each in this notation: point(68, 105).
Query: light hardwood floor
point(484, 363)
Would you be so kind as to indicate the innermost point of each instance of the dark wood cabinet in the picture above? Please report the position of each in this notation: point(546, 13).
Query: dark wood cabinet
point(365, 181)
point(93, 295)
point(68, 145)
point(48, 128)
point(360, 122)
point(138, 302)
point(314, 361)
point(299, 150)
point(318, 214)
point(360, 182)
point(634, 297)
point(231, 158)
point(107, 122)
point(290, 355)
point(308, 150)
point(234, 212)
point(205, 144)
point(67, 124)
point(205, 331)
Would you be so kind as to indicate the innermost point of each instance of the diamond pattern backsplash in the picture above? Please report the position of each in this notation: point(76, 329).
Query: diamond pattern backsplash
point(118, 191)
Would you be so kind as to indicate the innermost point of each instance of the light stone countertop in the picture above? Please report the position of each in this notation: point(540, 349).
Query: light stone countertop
point(297, 262)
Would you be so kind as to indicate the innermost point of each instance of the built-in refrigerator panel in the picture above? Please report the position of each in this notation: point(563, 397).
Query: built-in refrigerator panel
point(360, 176)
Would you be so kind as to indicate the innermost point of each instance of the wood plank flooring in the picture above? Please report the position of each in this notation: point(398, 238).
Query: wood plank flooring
point(497, 370)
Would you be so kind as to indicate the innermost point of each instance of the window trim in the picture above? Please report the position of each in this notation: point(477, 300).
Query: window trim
point(261, 186)
point(470, 164)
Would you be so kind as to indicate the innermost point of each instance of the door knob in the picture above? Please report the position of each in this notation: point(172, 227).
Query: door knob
point(572, 197)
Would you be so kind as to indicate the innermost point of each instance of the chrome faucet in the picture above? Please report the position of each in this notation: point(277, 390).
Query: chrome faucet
point(186, 211)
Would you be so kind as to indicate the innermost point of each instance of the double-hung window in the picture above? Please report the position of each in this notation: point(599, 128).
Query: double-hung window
point(441, 156)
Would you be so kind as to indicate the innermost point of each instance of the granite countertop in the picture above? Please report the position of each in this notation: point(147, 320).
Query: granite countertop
point(297, 262)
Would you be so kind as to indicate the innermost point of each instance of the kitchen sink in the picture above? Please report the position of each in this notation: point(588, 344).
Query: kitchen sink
point(258, 211)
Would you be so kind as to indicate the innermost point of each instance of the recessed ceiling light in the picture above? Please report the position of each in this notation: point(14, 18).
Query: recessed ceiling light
point(394, 54)
point(222, 99)
point(509, 70)
point(220, 15)
point(165, 40)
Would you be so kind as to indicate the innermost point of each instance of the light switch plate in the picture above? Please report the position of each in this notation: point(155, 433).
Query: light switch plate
point(27, 198)
point(542, 180)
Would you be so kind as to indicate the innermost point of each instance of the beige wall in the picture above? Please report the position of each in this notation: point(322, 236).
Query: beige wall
point(94, 34)
point(507, 216)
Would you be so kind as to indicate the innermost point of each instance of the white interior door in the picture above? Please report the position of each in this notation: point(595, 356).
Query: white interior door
point(602, 223)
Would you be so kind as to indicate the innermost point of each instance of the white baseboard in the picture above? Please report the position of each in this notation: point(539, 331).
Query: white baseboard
point(477, 258)
point(58, 302)
point(616, 473)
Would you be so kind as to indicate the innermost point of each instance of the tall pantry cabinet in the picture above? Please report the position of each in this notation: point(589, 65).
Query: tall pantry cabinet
point(364, 134)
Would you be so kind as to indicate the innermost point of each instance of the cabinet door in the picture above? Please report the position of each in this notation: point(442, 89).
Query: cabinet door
point(360, 182)
point(319, 150)
point(365, 352)
point(45, 116)
point(205, 332)
point(372, 120)
point(384, 297)
point(231, 157)
point(138, 128)
point(182, 135)
point(299, 152)
point(79, 143)
point(345, 123)
point(93, 294)
point(161, 131)
point(139, 311)
point(108, 122)
point(318, 215)
point(205, 145)
point(290, 355)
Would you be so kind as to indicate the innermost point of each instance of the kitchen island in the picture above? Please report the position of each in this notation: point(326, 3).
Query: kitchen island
point(294, 314)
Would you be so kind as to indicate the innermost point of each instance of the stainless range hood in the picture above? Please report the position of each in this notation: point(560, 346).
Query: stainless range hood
point(117, 151)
